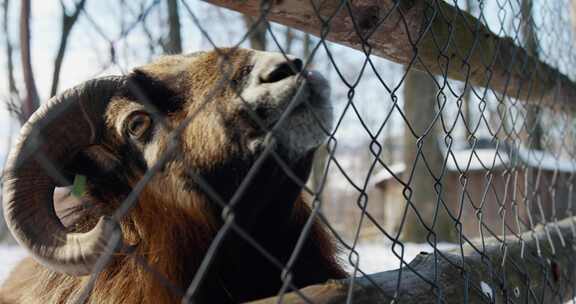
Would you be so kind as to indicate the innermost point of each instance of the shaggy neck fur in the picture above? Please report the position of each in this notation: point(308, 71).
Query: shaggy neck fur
point(175, 250)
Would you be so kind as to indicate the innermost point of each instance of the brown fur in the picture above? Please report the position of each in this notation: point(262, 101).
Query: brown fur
point(175, 220)
point(164, 250)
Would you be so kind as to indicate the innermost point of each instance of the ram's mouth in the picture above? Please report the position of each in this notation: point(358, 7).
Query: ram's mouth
point(315, 93)
point(309, 94)
point(296, 112)
point(307, 120)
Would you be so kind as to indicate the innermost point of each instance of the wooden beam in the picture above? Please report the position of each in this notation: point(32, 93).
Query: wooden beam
point(431, 35)
point(539, 269)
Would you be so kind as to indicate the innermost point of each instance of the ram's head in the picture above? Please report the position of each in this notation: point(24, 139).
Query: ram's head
point(201, 121)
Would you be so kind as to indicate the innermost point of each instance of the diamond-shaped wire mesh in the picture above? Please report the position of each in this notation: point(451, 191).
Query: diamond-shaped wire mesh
point(446, 175)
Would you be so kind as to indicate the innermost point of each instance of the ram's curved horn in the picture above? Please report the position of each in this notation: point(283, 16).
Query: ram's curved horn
point(62, 126)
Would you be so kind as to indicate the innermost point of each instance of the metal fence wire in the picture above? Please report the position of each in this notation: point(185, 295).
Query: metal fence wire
point(447, 176)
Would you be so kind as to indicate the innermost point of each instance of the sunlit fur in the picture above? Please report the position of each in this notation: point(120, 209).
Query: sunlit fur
point(176, 219)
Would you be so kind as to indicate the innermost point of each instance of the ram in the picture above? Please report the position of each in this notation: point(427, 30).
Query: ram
point(202, 122)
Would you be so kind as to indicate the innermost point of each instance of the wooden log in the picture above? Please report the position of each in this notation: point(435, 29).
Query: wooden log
point(539, 267)
point(429, 35)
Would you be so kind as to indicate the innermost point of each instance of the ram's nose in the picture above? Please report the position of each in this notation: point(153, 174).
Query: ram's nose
point(273, 85)
point(279, 67)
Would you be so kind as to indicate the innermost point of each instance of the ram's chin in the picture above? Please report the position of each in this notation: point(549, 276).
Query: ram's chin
point(310, 123)
point(295, 138)
point(301, 135)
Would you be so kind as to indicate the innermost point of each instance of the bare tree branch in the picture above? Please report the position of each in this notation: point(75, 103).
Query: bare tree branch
point(31, 101)
point(12, 98)
point(152, 41)
point(174, 43)
point(289, 40)
point(68, 21)
point(257, 32)
point(9, 49)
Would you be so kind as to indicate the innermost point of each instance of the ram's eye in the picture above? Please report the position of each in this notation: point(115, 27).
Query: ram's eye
point(138, 125)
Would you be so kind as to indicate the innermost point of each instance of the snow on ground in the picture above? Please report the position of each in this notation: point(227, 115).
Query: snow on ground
point(377, 257)
point(9, 257)
point(373, 257)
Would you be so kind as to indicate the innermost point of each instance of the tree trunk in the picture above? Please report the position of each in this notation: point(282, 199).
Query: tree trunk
point(68, 22)
point(9, 50)
point(31, 100)
point(307, 48)
point(289, 40)
point(257, 33)
point(321, 156)
point(533, 126)
point(13, 99)
point(467, 94)
point(420, 92)
point(317, 181)
point(467, 112)
point(174, 43)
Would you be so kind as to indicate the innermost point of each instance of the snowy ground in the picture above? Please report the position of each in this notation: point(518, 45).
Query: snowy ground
point(380, 257)
point(373, 257)
point(9, 256)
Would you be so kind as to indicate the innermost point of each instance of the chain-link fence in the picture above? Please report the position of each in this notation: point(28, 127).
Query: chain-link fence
point(445, 175)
